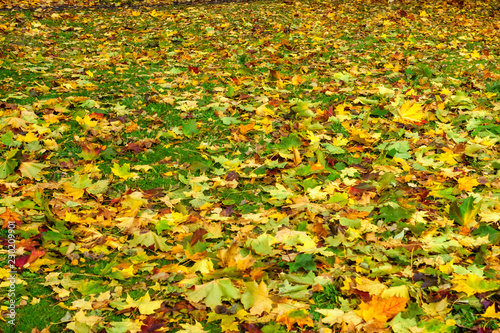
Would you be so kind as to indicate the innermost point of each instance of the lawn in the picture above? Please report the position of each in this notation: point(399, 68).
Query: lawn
point(264, 166)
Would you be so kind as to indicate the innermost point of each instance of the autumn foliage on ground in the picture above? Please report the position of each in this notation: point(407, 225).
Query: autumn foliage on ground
point(257, 167)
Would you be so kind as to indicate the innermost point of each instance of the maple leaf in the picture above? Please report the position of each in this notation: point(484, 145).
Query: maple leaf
point(491, 312)
point(148, 239)
point(256, 298)
point(213, 292)
point(126, 325)
point(466, 213)
point(229, 322)
point(190, 128)
point(374, 287)
point(304, 261)
point(188, 328)
point(9, 216)
point(440, 308)
point(86, 121)
point(382, 309)
point(31, 169)
point(83, 323)
point(123, 171)
point(144, 304)
point(299, 317)
point(227, 257)
point(338, 316)
point(410, 112)
point(472, 284)
point(297, 80)
point(244, 129)
point(467, 183)
point(7, 167)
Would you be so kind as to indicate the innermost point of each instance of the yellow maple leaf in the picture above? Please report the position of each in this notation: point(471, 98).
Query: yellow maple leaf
point(382, 309)
point(467, 183)
point(472, 284)
point(440, 308)
point(30, 137)
point(491, 313)
point(144, 168)
point(203, 266)
point(51, 144)
point(16, 122)
point(76, 193)
point(123, 171)
point(154, 13)
point(363, 136)
point(448, 157)
point(411, 113)
point(86, 121)
point(337, 316)
point(475, 55)
point(373, 287)
point(83, 323)
point(31, 169)
point(316, 193)
point(144, 304)
point(127, 325)
point(296, 80)
point(188, 328)
point(256, 298)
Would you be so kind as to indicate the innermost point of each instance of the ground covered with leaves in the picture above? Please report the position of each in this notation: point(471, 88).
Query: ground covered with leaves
point(263, 167)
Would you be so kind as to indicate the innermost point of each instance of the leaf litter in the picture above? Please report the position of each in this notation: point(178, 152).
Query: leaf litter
point(234, 162)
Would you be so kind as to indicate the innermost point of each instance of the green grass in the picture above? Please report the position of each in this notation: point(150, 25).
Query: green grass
point(46, 312)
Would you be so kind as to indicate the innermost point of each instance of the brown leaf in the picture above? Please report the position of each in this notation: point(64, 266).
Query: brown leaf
point(198, 236)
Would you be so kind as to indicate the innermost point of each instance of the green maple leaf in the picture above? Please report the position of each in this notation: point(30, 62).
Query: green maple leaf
point(333, 149)
point(393, 213)
point(230, 120)
point(230, 91)
point(396, 149)
point(7, 167)
point(98, 187)
point(190, 128)
point(402, 325)
point(8, 140)
point(305, 261)
point(292, 141)
point(93, 287)
point(81, 181)
point(213, 292)
point(262, 245)
point(302, 110)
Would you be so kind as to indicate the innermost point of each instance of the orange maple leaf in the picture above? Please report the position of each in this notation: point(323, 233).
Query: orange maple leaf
point(382, 309)
point(467, 183)
point(10, 216)
point(244, 129)
point(35, 254)
point(299, 317)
